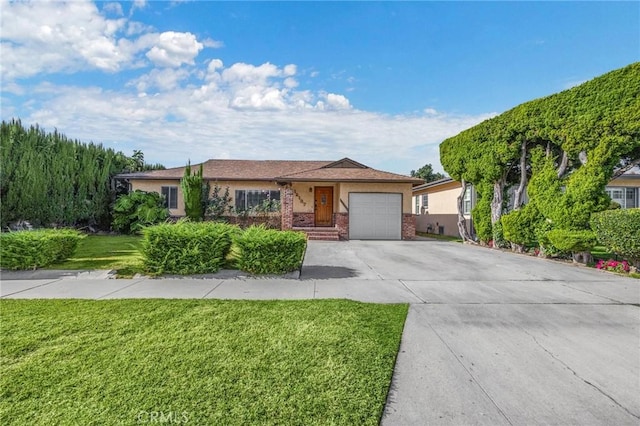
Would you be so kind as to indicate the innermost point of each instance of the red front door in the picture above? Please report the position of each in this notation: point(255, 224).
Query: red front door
point(324, 206)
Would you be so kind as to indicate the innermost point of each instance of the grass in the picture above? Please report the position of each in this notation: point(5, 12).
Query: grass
point(204, 361)
point(119, 252)
point(439, 237)
point(601, 252)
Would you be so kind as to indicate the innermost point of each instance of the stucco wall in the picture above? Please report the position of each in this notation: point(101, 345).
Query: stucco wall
point(444, 224)
point(155, 185)
point(303, 198)
point(443, 199)
point(304, 195)
point(345, 188)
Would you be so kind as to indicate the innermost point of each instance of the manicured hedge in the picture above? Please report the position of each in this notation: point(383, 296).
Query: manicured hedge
point(519, 226)
point(619, 231)
point(572, 241)
point(186, 248)
point(268, 251)
point(35, 249)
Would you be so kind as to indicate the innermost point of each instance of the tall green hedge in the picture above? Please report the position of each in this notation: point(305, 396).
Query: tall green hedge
point(562, 149)
point(268, 251)
point(49, 179)
point(619, 231)
point(186, 248)
point(35, 249)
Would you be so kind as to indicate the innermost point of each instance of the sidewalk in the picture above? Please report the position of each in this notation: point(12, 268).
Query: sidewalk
point(377, 291)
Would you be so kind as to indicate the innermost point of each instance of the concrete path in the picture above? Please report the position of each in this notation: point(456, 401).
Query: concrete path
point(491, 337)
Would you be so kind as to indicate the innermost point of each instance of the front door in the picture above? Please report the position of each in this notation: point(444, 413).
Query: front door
point(324, 206)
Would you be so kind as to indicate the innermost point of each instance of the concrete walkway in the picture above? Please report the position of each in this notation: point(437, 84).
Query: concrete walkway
point(508, 340)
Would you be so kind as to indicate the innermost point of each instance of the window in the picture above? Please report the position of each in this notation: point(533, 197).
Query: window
point(425, 202)
point(170, 194)
point(250, 198)
point(466, 209)
point(617, 195)
point(632, 200)
point(626, 197)
point(417, 206)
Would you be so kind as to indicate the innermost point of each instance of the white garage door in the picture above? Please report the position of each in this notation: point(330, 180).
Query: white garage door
point(375, 216)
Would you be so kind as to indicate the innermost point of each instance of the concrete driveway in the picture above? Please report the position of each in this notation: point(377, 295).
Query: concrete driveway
point(498, 338)
point(491, 337)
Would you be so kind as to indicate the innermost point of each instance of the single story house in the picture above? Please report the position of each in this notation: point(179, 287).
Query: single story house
point(344, 196)
point(435, 204)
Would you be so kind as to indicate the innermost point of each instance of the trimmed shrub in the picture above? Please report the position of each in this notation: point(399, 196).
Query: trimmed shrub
point(619, 231)
point(573, 241)
point(35, 249)
point(268, 251)
point(519, 227)
point(481, 214)
point(546, 248)
point(579, 243)
point(186, 248)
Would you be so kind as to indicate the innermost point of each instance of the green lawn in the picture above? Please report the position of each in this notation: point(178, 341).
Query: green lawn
point(120, 252)
point(439, 237)
point(204, 361)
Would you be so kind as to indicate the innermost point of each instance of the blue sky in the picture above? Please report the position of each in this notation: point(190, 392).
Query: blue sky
point(381, 82)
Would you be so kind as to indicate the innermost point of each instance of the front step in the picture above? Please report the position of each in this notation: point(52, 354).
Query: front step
point(321, 234)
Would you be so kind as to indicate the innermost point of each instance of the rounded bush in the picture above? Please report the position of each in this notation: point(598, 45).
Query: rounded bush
point(619, 231)
point(186, 248)
point(268, 251)
point(572, 241)
point(35, 249)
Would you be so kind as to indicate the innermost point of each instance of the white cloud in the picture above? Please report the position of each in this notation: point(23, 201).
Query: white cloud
point(214, 44)
point(205, 121)
point(46, 37)
point(173, 49)
point(162, 79)
point(337, 101)
point(137, 4)
point(56, 36)
point(115, 8)
point(175, 108)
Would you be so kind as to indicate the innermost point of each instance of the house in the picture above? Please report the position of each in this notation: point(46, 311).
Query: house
point(625, 190)
point(436, 209)
point(435, 205)
point(344, 197)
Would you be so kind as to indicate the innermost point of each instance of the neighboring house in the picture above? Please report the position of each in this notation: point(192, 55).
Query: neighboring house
point(435, 203)
point(625, 190)
point(436, 206)
point(354, 200)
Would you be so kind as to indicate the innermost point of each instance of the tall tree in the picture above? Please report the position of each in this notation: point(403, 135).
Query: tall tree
point(573, 140)
point(426, 172)
point(192, 192)
point(48, 179)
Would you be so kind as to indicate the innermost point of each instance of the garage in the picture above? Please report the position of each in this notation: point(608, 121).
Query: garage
point(375, 216)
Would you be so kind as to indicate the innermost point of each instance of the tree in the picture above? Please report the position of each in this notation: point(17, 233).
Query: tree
point(192, 191)
point(50, 180)
point(561, 150)
point(426, 172)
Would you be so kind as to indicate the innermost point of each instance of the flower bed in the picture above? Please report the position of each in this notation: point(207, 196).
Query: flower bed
point(614, 265)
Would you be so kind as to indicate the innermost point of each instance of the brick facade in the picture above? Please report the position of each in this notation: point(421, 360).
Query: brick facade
point(286, 202)
point(271, 222)
point(341, 221)
point(408, 226)
point(304, 220)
